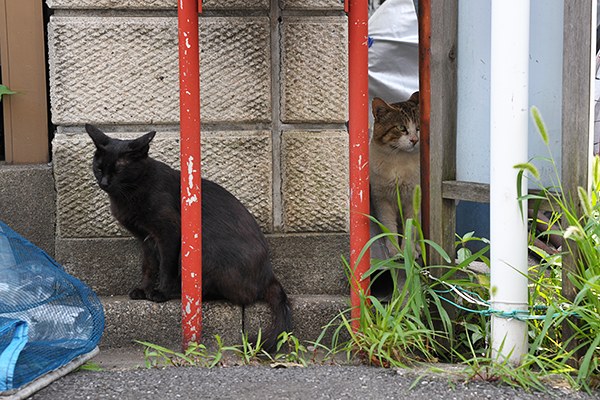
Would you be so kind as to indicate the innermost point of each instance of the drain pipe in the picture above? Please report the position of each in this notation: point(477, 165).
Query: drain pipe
point(508, 217)
point(191, 208)
point(358, 128)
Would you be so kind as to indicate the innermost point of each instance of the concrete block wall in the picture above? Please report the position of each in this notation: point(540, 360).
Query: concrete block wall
point(273, 105)
point(274, 95)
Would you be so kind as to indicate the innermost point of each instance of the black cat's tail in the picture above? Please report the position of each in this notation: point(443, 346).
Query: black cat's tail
point(279, 303)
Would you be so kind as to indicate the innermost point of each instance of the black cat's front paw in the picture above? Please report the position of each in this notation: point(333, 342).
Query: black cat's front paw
point(156, 296)
point(137, 294)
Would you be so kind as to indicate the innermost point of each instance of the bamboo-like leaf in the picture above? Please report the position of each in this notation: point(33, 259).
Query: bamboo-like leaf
point(439, 249)
point(587, 358)
point(596, 173)
point(416, 200)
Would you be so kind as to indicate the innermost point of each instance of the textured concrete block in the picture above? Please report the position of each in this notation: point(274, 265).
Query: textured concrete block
point(27, 203)
point(239, 161)
point(310, 263)
point(315, 181)
point(305, 264)
point(155, 4)
point(314, 69)
point(110, 266)
point(160, 323)
point(235, 69)
point(310, 315)
point(312, 4)
point(124, 70)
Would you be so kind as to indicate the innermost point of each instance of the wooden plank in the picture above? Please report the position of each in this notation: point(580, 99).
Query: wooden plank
point(469, 191)
point(22, 56)
point(480, 193)
point(577, 114)
point(444, 42)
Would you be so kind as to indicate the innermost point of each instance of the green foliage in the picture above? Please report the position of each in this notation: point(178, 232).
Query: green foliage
point(195, 355)
point(414, 326)
point(580, 228)
point(289, 352)
point(410, 327)
point(89, 366)
point(4, 90)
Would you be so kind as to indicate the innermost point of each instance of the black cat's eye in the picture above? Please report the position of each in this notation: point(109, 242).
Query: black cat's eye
point(120, 164)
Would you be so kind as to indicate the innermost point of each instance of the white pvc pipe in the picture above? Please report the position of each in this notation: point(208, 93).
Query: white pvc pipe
point(508, 145)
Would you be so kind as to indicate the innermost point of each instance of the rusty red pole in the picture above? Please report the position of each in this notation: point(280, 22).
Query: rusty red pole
point(191, 207)
point(358, 127)
point(425, 109)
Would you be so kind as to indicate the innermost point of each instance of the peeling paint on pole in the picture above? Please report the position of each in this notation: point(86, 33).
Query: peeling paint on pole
point(358, 128)
point(191, 210)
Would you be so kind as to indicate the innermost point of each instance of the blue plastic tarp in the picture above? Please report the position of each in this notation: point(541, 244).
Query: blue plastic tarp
point(47, 317)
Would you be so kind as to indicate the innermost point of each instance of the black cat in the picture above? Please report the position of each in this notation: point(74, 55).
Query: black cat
point(145, 198)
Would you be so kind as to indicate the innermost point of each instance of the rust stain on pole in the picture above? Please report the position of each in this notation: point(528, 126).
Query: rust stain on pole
point(191, 196)
point(358, 73)
point(425, 109)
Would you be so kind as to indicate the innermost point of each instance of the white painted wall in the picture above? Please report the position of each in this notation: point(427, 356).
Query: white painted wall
point(545, 90)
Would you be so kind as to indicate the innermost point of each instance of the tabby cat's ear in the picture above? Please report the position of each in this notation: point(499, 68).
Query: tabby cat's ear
point(98, 137)
point(414, 97)
point(380, 108)
point(141, 145)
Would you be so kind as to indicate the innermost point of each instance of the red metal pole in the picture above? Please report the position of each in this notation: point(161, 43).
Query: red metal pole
point(425, 108)
point(358, 75)
point(191, 207)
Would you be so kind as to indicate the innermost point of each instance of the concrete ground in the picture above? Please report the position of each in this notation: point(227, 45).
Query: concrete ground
point(322, 382)
point(123, 377)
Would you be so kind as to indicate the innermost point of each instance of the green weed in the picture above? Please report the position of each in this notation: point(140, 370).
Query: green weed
point(290, 351)
point(4, 90)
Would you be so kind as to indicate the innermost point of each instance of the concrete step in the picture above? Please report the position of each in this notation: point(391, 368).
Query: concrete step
point(304, 263)
point(160, 323)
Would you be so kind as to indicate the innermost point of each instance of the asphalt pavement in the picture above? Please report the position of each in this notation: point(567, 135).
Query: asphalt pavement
point(264, 382)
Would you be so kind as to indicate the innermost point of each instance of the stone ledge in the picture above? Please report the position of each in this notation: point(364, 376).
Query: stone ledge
point(311, 314)
point(305, 264)
point(160, 323)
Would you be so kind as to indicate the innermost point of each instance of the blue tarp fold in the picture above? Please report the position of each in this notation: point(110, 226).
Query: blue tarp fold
point(47, 317)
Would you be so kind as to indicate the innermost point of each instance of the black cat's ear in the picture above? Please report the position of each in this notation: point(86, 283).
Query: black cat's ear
point(380, 108)
point(141, 145)
point(98, 137)
point(414, 97)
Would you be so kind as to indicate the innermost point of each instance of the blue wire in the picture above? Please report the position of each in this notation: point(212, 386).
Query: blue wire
point(521, 315)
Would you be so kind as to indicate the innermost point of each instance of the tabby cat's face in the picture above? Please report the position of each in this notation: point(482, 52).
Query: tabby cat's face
point(118, 163)
point(396, 126)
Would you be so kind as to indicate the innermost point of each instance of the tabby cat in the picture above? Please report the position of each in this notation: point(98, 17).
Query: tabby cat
point(394, 161)
point(145, 198)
